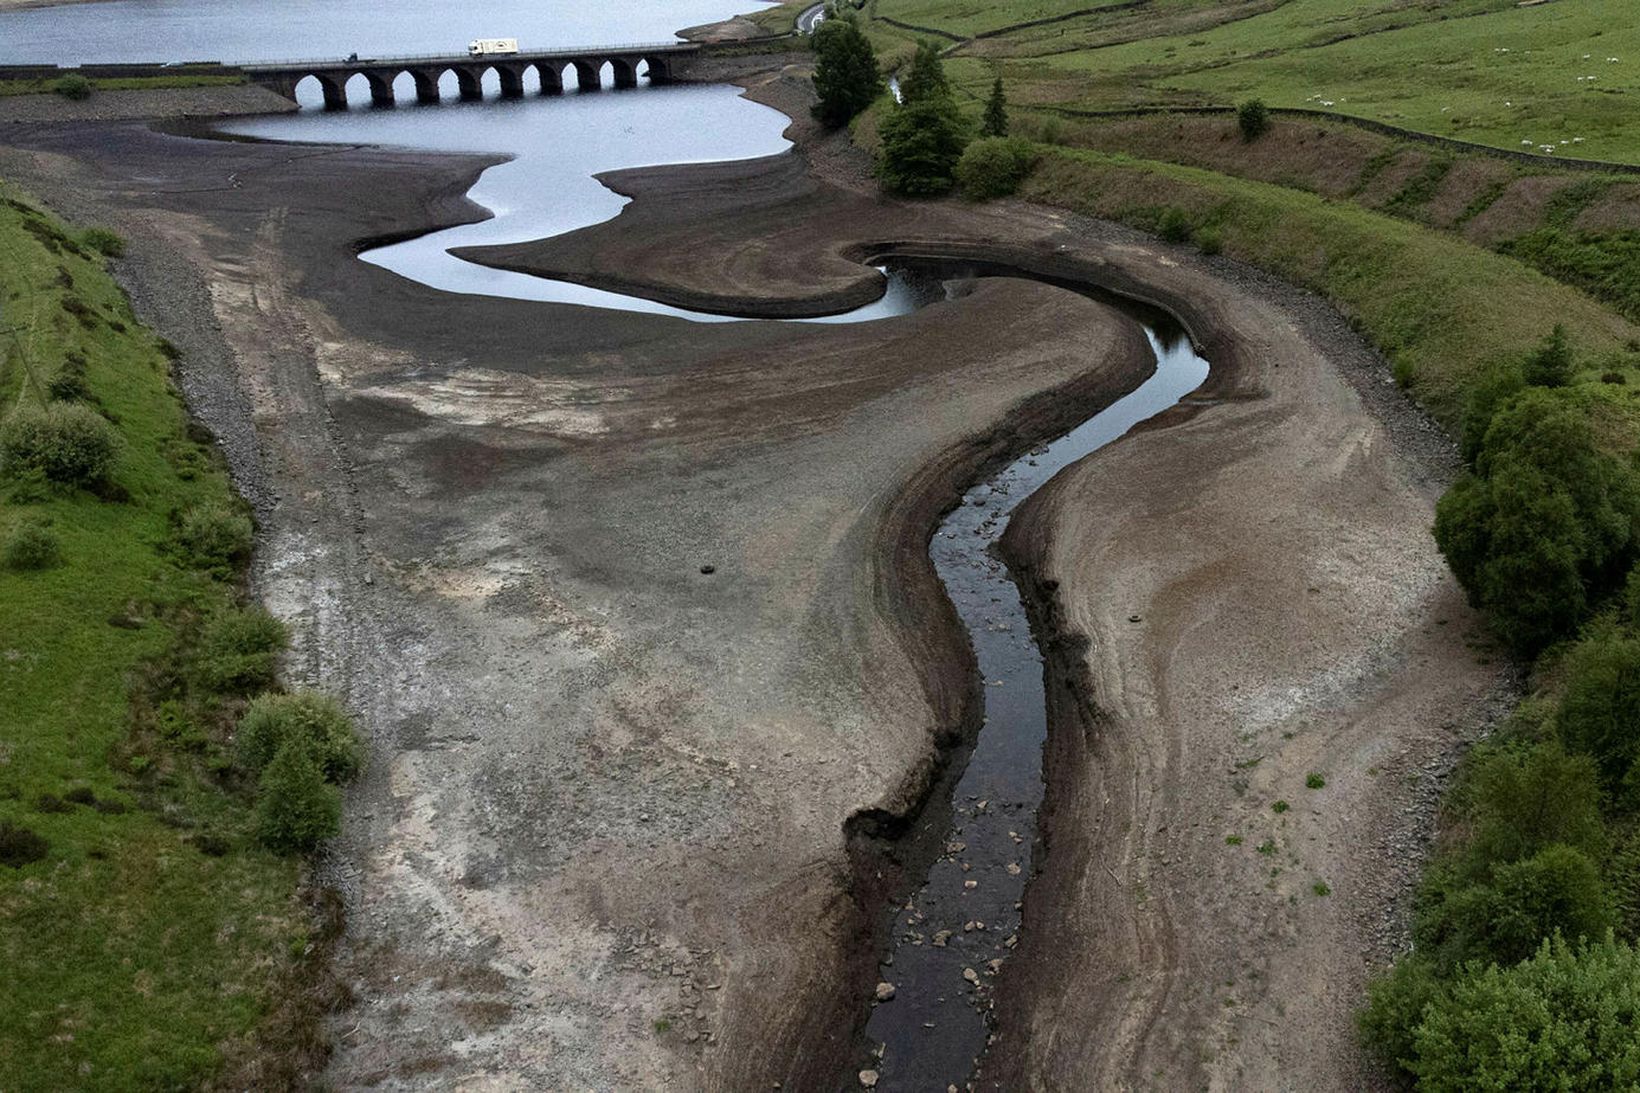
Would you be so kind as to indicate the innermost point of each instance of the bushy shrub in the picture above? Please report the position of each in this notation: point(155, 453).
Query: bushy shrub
point(1174, 225)
point(1396, 1003)
point(1565, 1019)
point(73, 87)
point(1600, 709)
point(238, 651)
point(103, 241)
point(1503, 921)
point(215, 537)
point(1490, 390)
point(1253, 119)
point(1546, 520)
point(1210, 241)
point(67, 443)
point(31, 547)
point(994, 167)
point(296, 809)
point(1523, 800)
point(313, 721)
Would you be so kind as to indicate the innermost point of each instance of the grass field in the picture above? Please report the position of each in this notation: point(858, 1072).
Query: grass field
point(148, 940)
point(1485, 71)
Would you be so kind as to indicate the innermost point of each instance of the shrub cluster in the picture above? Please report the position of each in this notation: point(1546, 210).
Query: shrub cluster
point(67, 443)
point(1544, 528)
point(31, 547)
point(1523, 970)
point(303, 745)
point(214, 537)
point(103, 241)
point(994, 167)
point(73, 87)
point(238, 652)
point(69, 384)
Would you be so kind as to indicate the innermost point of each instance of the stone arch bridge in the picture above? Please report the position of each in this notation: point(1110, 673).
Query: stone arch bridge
point(663, 62)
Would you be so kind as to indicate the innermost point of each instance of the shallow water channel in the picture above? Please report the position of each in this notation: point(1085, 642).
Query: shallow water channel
point(954, 934)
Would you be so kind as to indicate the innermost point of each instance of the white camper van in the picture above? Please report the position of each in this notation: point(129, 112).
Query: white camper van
point(485, 47)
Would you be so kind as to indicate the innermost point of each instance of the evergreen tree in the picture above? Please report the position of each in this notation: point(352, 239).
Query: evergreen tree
point(926, 80)
point(922, 142)
point(924, 137)
point(996, 112)
point(845, 71)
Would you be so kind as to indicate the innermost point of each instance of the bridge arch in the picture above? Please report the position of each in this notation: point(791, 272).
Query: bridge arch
point(330, 90)
point(552, 77)
point(588, 76)
point(659, 68)
point(624, 72)
point(426, 82)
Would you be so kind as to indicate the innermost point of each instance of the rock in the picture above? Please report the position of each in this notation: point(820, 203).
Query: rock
point(885, 991)
point(868, 1078)
point(970, 884)
point(971, 975)
point(941, 937)
point(708, 570)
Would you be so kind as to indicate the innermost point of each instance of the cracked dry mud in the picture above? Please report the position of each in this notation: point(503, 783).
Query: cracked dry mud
point(600, 842)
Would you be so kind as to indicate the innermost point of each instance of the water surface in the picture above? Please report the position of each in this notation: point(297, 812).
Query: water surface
point(254, 30)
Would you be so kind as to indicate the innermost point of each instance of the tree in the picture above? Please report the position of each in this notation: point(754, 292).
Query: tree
point(1546, 526)
point(995, 123)
point(1600, 711)
point(1567, 1019)
point(926, 80)
point(1551, 364)
point(845, 72)
point(1253, 117)
point(923, 137)
point(922, 143)
point(296, 808)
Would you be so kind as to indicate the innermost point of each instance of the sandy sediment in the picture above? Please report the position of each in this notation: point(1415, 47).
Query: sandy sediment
point(601, 842)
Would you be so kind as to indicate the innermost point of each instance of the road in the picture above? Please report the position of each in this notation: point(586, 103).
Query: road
point(810, 18)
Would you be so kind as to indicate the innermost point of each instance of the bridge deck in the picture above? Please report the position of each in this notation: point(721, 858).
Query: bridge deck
point(523, 56)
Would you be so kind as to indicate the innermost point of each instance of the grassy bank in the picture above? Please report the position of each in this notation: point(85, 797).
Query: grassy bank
point(147, 933)
point(122, 83)
point(1439, 308)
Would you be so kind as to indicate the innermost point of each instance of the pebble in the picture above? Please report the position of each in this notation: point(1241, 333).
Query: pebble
point(971, 975)
point(885, 991)
point(868, 1078)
